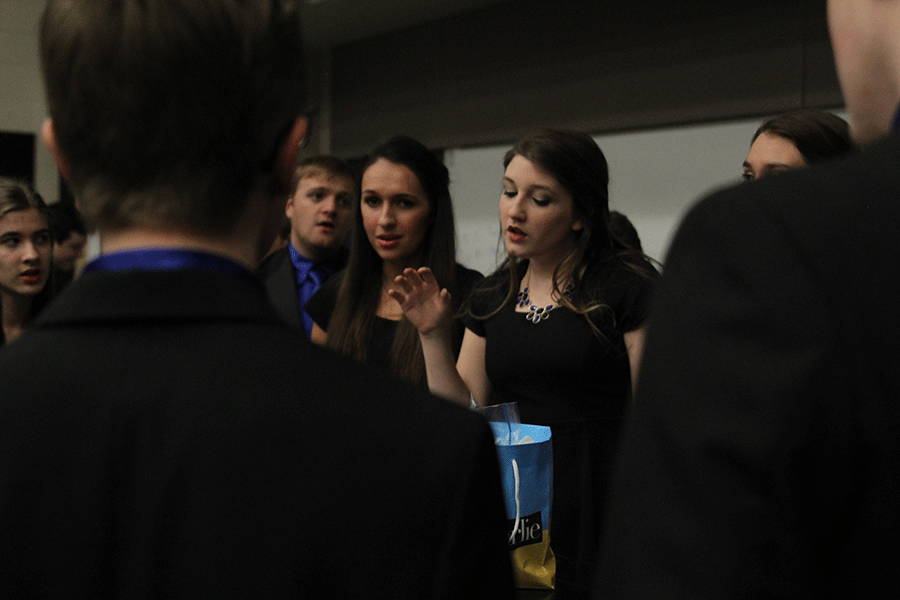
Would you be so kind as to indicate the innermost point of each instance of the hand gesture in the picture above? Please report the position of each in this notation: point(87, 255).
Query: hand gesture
point(424, 304)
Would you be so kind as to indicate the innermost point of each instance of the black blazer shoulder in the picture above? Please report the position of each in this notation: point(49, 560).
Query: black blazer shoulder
point(277, 274)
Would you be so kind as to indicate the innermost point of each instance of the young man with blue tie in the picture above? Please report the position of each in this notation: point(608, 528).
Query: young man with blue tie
point(320, 210)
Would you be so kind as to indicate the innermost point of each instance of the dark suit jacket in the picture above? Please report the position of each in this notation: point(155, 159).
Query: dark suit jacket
point(762, 457)
point(164, 434)
point(277, 273)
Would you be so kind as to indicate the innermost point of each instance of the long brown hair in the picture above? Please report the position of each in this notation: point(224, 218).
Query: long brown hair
point(578, 164)
point(351, 324)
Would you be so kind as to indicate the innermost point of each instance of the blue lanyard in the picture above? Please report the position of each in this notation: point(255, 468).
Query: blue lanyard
point(163, 259)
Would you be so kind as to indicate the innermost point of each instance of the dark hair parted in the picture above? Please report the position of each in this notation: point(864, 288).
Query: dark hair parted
point(817, 134)
point(578, 164)
point(624, 230)
point(170, 111)
point(17, 195)
point(351, 324)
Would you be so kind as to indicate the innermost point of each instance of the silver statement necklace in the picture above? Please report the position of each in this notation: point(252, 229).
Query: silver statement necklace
point(535, 313)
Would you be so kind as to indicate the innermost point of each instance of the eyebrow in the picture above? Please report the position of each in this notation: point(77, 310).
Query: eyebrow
point(389, 196)
point(774, 165)
point(535, 186)
point(5, 234)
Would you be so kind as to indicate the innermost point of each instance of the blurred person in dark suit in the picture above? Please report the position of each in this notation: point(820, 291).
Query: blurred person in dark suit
point(163, 434)
point(761, 456)
point(69, 240)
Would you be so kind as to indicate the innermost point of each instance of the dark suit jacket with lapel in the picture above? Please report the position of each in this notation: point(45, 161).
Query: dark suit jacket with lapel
point(164, 434)
point(277, 272)
point(762, 457)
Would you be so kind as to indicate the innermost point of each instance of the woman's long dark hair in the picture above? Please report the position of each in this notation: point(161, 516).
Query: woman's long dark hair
point(578, 164)
point(817, 134)
point(351, 324)
point(16, 195)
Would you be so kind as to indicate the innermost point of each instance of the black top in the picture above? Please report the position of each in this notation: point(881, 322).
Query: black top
point(558, 369)
point(322, 304)
point(563, 375)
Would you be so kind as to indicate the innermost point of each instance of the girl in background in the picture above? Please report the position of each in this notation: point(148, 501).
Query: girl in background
point(558, 328)
point(25, 257)
point(795, 139)
point(405, 220)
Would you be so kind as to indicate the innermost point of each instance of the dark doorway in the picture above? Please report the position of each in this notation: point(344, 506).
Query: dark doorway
point(17, 155)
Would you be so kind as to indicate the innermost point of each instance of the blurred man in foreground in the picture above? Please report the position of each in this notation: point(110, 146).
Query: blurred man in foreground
point(162, 432)
point(762, 459)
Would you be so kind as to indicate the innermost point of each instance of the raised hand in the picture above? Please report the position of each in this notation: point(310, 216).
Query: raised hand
point(423, 302)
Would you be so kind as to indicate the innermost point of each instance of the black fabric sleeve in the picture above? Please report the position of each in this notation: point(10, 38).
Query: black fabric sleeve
point(480, 301)
point(321, 305)
point(632, 293)
point(716, 489)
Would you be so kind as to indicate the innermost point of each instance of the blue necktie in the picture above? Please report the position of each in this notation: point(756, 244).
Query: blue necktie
point(309, 286)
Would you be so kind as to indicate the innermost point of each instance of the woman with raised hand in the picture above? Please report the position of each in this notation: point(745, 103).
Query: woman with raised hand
point(25, 257)
point(405, 219)
point(558, 328)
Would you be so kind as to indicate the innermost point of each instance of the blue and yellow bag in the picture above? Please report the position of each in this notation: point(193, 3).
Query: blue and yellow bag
point(525, 453)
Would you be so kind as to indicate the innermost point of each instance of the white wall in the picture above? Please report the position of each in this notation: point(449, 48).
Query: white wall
point(22, 107)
